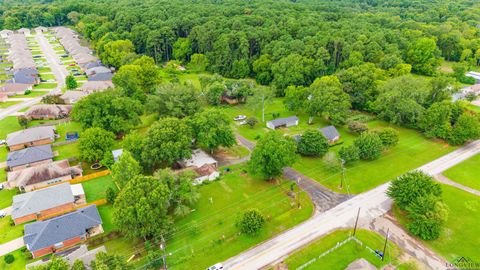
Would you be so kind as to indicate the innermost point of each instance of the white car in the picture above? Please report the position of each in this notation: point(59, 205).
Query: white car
point(2, 186)
point(240, 117)
point(3, 142)
point(217, 266)
point(3, 214)
point(243, 123)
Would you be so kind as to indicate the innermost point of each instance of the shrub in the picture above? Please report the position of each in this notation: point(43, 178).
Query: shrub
point(9, 258)
point(369, 145)
point(251, 222)
point(389, 136)
point(27, 92)
point(357, 127)
point(252, 121)
point(349, 153)
point(110, 194)
point(313, 143)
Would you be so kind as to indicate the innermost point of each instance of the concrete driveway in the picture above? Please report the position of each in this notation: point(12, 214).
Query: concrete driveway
point(11, 246)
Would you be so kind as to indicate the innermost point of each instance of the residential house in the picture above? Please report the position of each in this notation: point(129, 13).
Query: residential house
point(81, 253)
point(95, 86)
point(29, 157)
point(43, 175)
point(99, 73)
point(41, 29)
point(282, 122)
point(53, 235)
point(90, 65)
point(203, 165)
point(12, 89)
point(48, 111)
point(27, 75)
point(71, 97)
point(43, 203)
point(331, 133)
point(3, 97)
point(31, 137)
point(24, 31)
point(6, 33)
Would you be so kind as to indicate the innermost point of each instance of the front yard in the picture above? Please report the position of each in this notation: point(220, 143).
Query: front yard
point(8, 232)
point(466, 173)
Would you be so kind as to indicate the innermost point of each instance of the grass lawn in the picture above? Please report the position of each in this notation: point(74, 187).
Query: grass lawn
point(6, 196)
point(460, 236)
point(7, 104)
point(473, 108)
point(106, 213)
point(63, 128)
point(209, 235)
point(344, 255)
point(35, 93)
point(44, 69)
point(66, 151)
point(466, 173)
point(9, 232)
point(47, 76)
point(237, 151)
point(81, 78)
point(95, 188)
point(8, 125)
point(18, 264)
point(45, 85)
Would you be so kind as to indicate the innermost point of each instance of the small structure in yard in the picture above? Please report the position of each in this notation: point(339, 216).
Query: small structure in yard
point(203, 165)
point(12, 89)
point(45, 202)
point(71, 97)
point(331, 133)
point(71, 255)
point(31, 137)
point(43, 175)
point(48, 111)
point(283, 122)
point(361, 264)
point(57, 234)
point(116, 154)
point(71, 136)
point(29, 157)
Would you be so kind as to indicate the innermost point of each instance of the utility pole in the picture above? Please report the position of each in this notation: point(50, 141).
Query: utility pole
point(356, 222)
point(385, 245)
point(343, 173)
point(163, 248)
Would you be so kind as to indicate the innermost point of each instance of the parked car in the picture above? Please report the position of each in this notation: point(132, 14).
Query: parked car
point(216, 267)
point(37, 56)
point(240, 117)
point(51, 80)
point(2, 213)
point(77, 74)
point(43, 80)
point(71, 65)
point(3, 142)
point(2, 186)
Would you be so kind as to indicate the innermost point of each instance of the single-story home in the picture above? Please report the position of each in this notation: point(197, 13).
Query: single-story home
point(6, 33)
point(331, 133)
point(43, 175)
point(97, 70)
point(48, 111)
point(203, 165)
point(92, 64)
point(12, 89)
point(71, 97)
point(50, 236)
point(95, 86)
point(80, 253)
point(24, 31)
point(116, 154)
point(41, 29)
point(100, 77)
point(30, 137)
point(27, 75)
point(206, 172)
point(29, 157)
point(283, 122)
point(42, 203)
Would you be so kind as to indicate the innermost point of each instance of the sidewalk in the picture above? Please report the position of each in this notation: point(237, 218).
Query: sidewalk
point(11, 246)
point(445, 180)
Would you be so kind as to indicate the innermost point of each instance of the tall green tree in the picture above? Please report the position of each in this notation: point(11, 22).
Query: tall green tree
point(312, 143)
point(423, 55)
point(174, 100)
point(212, 129)
point(94, 143)
point(125, 169)
point(70, 82)
point(116, 52)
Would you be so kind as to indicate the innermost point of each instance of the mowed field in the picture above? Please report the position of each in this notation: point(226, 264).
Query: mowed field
point(466, 173)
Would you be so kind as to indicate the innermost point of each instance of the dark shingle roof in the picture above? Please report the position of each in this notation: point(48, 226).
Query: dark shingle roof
point(42, 234)
point(29, 155)
point(282, 121)
point(330, 132)
point(101, 77)
point(25, 75)
point(30, 135)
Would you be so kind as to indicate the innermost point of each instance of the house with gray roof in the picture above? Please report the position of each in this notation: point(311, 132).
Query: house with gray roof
point(30, 137)
point(71, 97)
point(331, 133)
point(57, 234)
point(41, 203)
point(29, 157)
point(27, 75)
point(81, 253)
point(283, 122)
point(107, 76)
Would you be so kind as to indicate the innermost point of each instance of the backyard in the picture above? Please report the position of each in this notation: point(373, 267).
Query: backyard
point(341, 257)
point(95, 188)
point(466, 173)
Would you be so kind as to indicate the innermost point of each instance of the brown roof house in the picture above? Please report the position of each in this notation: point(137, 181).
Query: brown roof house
point(53, 235)
point(29, 157)
point(95, 86)
point(71, 97)
point(43, 175)
point(12, 89)
point(203, 165)
point(48, 111)
point(31, 137)
point(46, 202)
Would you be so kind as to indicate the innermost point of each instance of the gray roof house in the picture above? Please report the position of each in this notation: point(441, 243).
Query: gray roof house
point(45, 237)
point(30, 135)
point(29, 155)
point(100, 77)
point(71, 255)
point(92, 64)
point(331, 133)
point(71, 97)
point(283, 122)
point(26, 76)
point(40, 200)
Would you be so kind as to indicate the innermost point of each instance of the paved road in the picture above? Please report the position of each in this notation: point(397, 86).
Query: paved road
point(11, 246)
point(445, 180)
point(373, 204)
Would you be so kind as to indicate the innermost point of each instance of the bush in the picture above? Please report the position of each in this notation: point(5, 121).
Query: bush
point(110, 194)
point(357, 127)
point(369, 145)
point(389, 137)
point(251, 222)
point(349, 153)
point(252, 121)
point(27, 92)
point(313, 143)
point(9, 258)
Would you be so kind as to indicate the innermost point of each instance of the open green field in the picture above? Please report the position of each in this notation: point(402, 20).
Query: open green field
point(340, 258)
point(460, 235)
point(45, 85)
point(63, 128)
point(95, 188)
point(466, 173)
point(9, 232)
point(66, 151)
point(209, 235)
point(106, 213)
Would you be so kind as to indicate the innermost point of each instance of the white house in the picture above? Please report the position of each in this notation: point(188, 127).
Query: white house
point(203, 165)
point(283, 122)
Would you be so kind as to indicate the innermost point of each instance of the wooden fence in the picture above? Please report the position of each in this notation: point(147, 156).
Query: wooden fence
point(84, 178)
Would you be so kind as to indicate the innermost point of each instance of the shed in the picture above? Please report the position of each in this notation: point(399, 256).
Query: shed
point(283, 122)
point(116, 154)
point(331, 133)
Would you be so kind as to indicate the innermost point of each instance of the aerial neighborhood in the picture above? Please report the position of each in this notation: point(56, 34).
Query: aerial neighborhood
point(239, 135)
